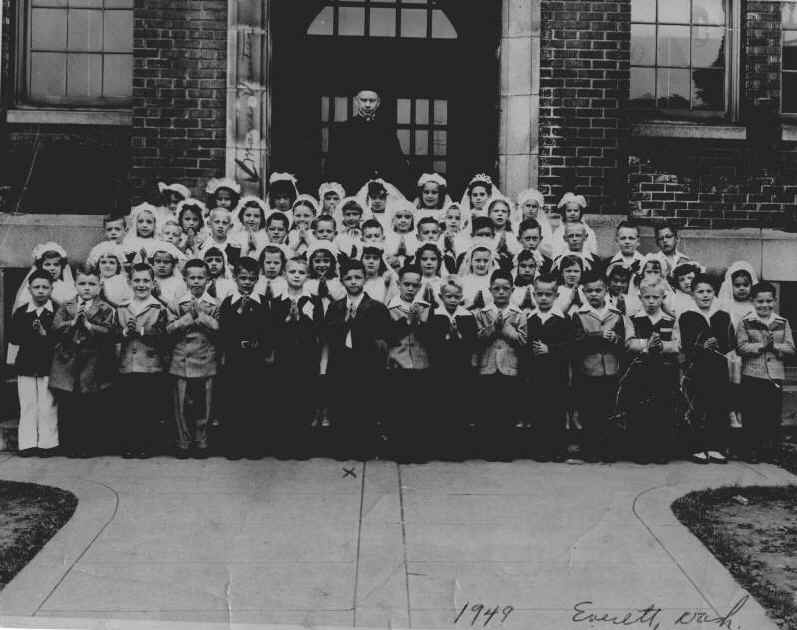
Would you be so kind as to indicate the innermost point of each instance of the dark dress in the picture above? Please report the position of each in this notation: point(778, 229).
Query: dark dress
point(706, 381)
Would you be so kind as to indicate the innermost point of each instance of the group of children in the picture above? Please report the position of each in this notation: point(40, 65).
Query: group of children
point(374, 325)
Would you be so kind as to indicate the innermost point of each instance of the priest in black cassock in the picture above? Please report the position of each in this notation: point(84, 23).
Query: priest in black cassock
point(366, 147)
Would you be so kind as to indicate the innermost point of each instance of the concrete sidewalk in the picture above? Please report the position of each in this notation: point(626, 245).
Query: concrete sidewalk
point(325, 543)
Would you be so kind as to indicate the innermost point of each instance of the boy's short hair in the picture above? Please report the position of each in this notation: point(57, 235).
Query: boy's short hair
point(409, 268)
point(278, 216)
point(219, 210)
point(576, 224)
point(351, 204)
point(525, 255)
point(39, 274)
point(618, 272)
point(213, 251)
point(653, 284)
point(480, 223)
point(591, 276)
point(627, 225)
point(351, 264)
point(301, 260)
point(195, 263)
point(136, 268)
point(763, 287)
point(664, 225)
point(326, 218)
point(546, 278)
point(704, 278)
point(529, 224)
point(426, 221)
point(452, 283)
point(111, 218)
point(372, 223)
point(501, 274)
point(247, 264)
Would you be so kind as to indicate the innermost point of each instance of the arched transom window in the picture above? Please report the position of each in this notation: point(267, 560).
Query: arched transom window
point(418, 19)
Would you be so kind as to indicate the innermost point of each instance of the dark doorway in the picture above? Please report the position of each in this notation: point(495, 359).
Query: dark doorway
point(435, 61)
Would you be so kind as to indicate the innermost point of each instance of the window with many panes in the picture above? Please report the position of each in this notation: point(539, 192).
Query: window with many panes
point(420, 19)
point(683, 57)
point(421, 127)
point(788, 83)
point(78, 53)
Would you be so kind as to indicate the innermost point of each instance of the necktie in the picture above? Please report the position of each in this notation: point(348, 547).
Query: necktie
point(323, 289)
point(212, 289)
point(352, 312)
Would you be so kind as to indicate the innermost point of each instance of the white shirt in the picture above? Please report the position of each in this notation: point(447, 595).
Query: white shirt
point(137, 306)
point(47, 306)
point(545, 315)
point(235, 297)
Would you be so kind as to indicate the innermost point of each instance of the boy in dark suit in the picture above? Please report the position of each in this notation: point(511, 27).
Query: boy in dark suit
point(546, 370)
point(356, 328)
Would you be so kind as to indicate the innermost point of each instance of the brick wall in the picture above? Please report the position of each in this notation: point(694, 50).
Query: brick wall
point(584, 79)
point(179, 98)
point(724, 184)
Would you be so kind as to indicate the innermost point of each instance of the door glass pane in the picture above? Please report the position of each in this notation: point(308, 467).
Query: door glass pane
point(86, 4)
point(440, 166)
point(421, 111)
point(118, 31)
point(341, 108)
point(708, 89)
point(674, 88)
point(643, 86)
point(643, 44)
point(118, 4)
point(421, 142)
point(85, 30)
point(324, 109)
point(789, 93)
point(707, 47)
point(673, 46)
point(440, 143)
point(413, 23)
point(790, 50)
point(383, 22)
point(325, 140)
point(117, 78)
point(48, 29)
point(441, 112)
point(403, 111)
point(789, 13)
point(643, 10)
point(351, 21)
point(84, 75)
point(442, 28)
point(708, 12)
point(674, 11)
point(47, 75)
point(50, 3)
point(404, 140)
point(322, 24)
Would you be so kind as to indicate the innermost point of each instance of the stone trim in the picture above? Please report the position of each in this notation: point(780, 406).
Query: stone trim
point(36, 116)
point(668, 129)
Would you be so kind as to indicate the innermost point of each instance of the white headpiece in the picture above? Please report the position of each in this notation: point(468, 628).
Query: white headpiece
point(572, 198)
point(50, 246)
point(726, 290)
point(222, 182)
point(307, 200)
point(105, 249)
point(328, 187)
point(178, 188)
point(194, 203)
point(432, 178)
point(282, 177)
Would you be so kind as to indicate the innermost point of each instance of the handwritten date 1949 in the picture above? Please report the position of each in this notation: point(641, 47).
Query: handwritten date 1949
point(486, 614)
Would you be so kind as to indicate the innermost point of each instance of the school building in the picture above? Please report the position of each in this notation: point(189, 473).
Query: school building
point(684, 109)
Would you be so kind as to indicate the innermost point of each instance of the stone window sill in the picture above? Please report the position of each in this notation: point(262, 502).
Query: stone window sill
point(789, 132)
point(690, 130)
point(115, 117)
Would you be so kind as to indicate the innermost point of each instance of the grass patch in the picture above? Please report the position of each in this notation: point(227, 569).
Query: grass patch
point(756, 542)
point(29, 516)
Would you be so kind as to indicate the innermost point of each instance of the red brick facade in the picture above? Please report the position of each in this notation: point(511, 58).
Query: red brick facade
point(584, 80)
point(179, 97)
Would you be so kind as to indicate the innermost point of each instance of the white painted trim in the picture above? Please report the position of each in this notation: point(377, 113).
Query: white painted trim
point(118, 118)
point(789, 133)
point(689, 130)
